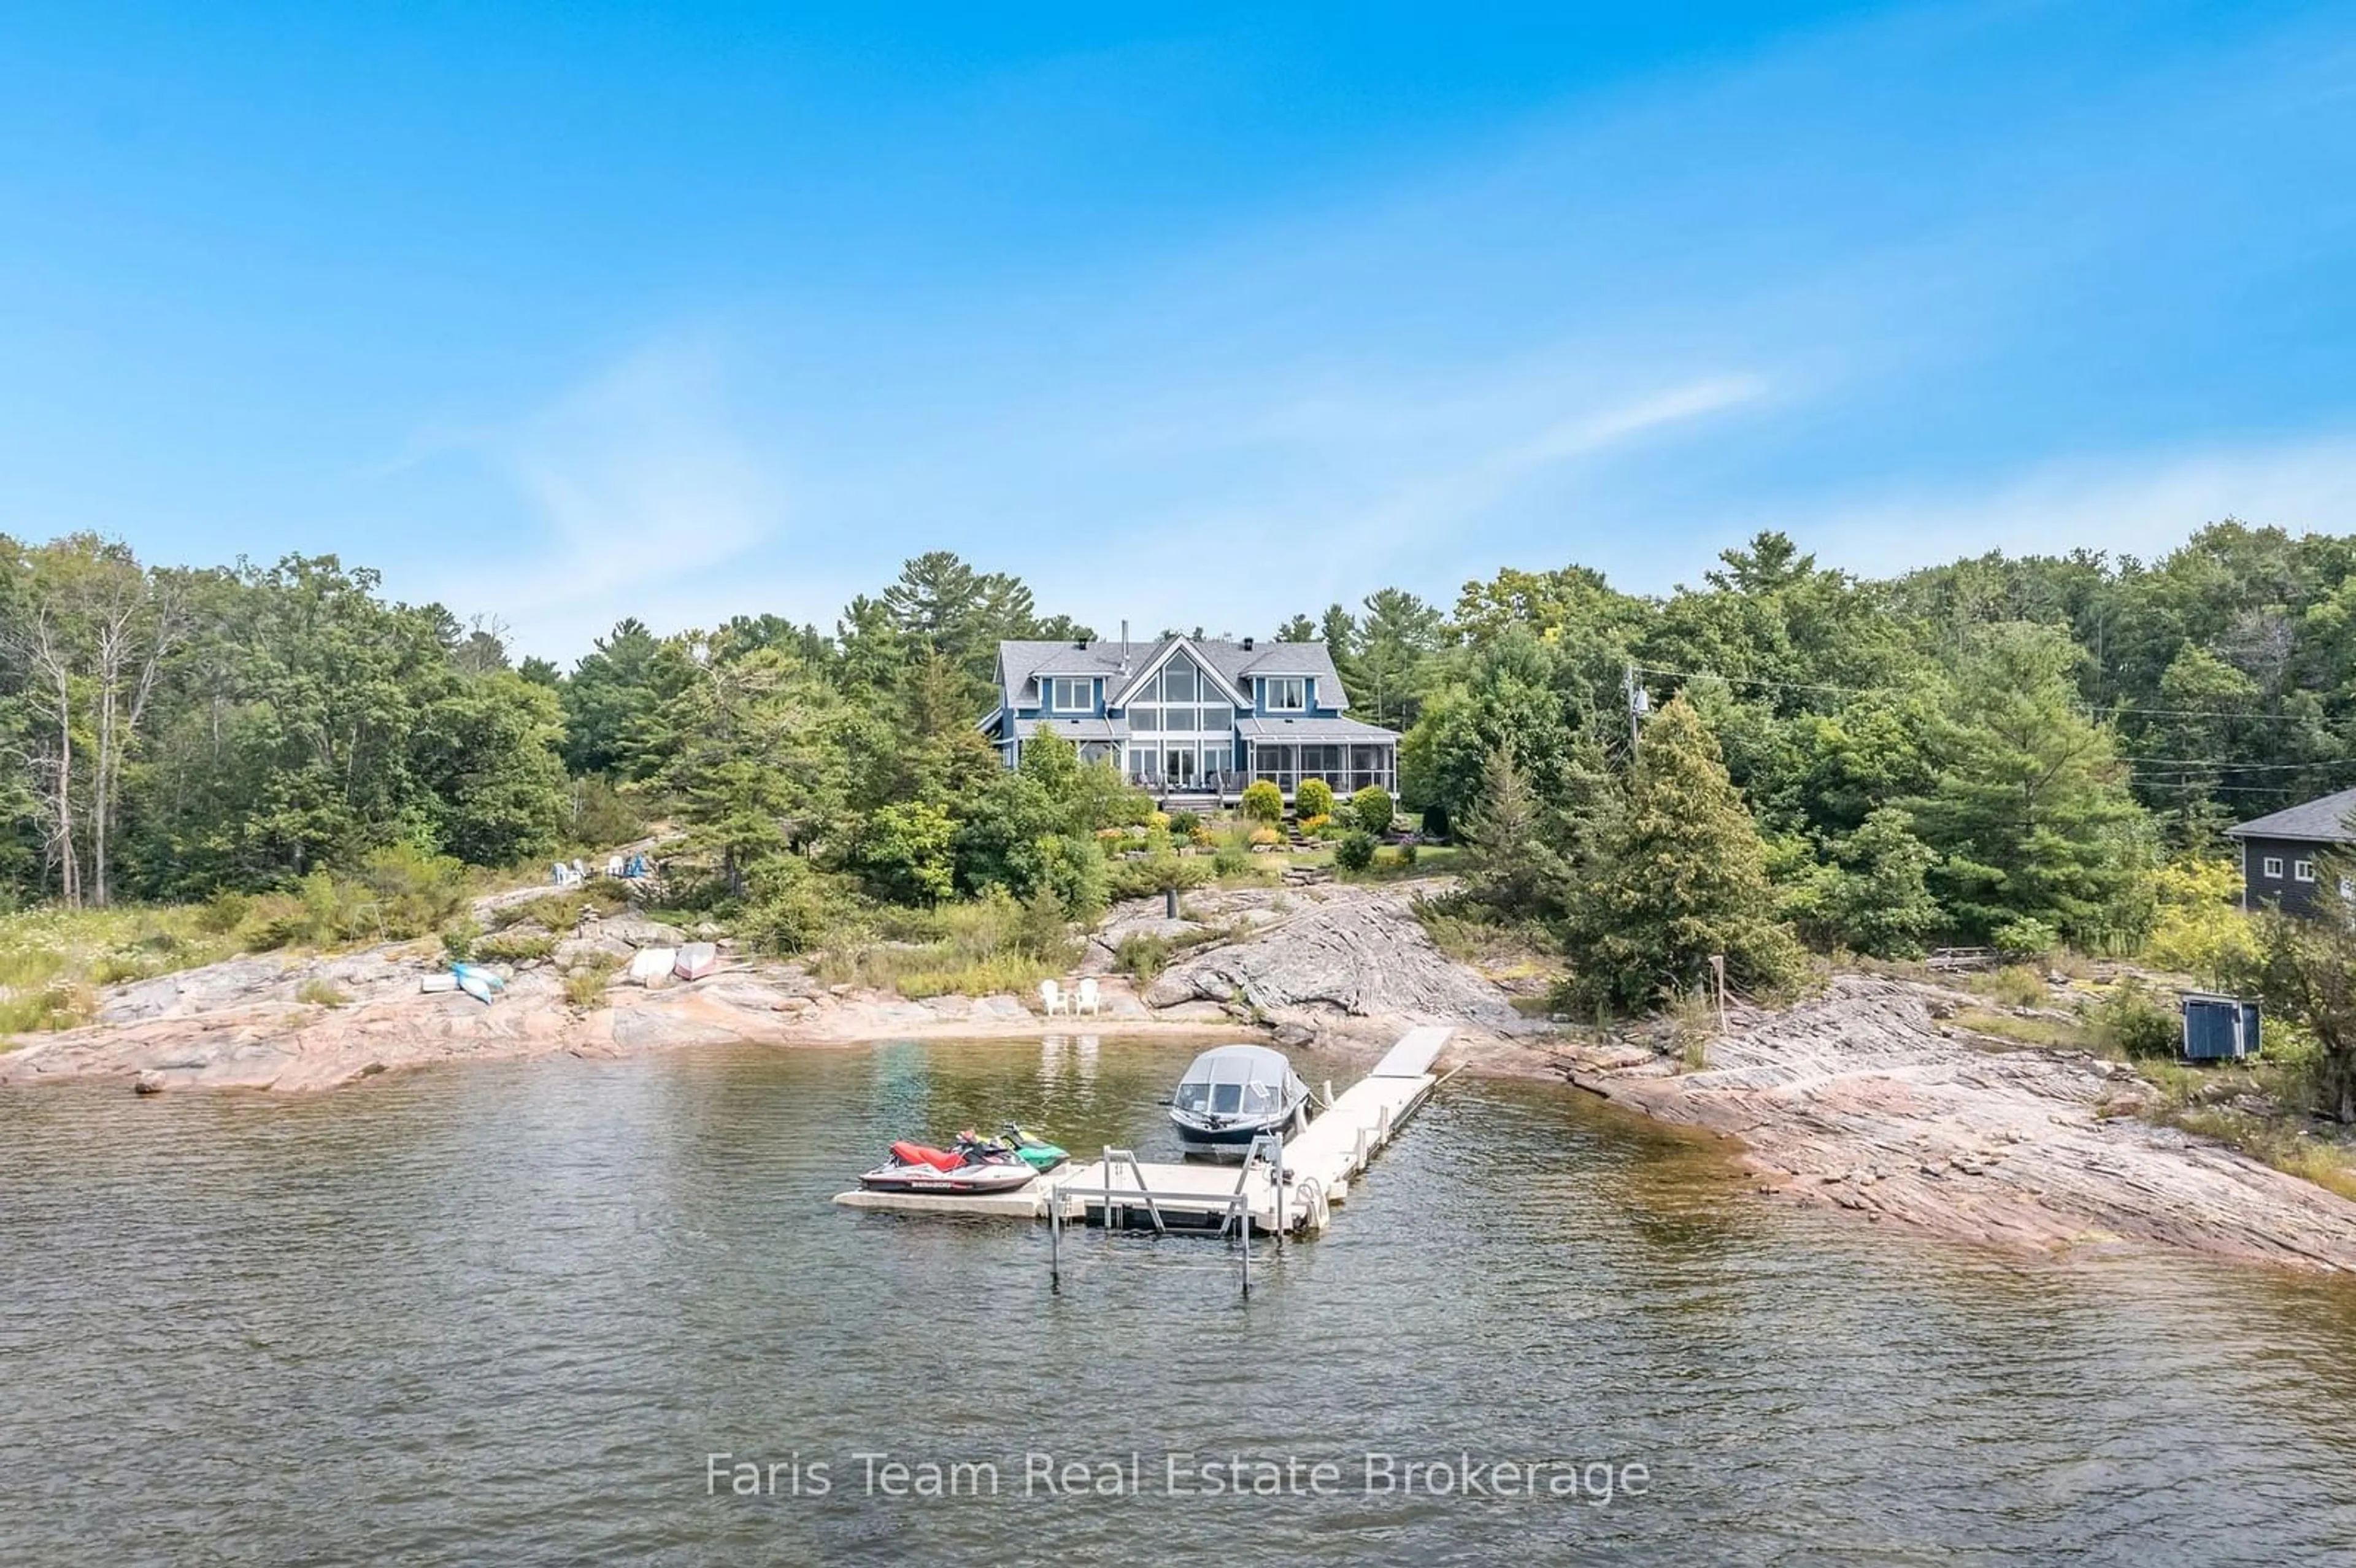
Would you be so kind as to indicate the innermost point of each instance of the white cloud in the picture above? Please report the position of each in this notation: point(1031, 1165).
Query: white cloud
point(2142, 504)
point(639, 481)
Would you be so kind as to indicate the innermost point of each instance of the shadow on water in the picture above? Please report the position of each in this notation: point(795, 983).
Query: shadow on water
point(507, 1312)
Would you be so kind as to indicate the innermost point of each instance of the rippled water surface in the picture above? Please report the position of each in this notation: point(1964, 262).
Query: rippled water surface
point(505, 1314)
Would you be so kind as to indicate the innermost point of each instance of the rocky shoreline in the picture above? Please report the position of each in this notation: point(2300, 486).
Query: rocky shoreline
point(1861, 1099)
point(1337, 965)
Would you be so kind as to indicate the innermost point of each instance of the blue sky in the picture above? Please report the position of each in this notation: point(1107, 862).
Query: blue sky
point(1193, 314)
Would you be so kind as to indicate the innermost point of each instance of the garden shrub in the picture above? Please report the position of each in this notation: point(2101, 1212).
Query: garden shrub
point(2134, 1021)
point(224, 912)
point(1355, 852)
point(1372, 808)
point(1142, 955)
point(1263, 802)
point(1313, 798)
point(2025, 936)
point(515, 947)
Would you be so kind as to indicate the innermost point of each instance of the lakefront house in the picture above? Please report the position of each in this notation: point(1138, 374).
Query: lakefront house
point(1192, 720)
point(2283, 856)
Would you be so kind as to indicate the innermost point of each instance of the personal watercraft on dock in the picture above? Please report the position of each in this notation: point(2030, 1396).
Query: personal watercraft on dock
point(977, 1165)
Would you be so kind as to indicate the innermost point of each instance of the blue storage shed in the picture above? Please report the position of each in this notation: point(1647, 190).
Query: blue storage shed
point(2219, 1029)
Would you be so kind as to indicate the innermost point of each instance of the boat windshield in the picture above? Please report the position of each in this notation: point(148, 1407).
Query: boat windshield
point(1234, 1082)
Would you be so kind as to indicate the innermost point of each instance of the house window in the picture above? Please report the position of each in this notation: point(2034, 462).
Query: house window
point(2302, 870)
point(1071, 694)
point(1285, 693)
point(2274, 867)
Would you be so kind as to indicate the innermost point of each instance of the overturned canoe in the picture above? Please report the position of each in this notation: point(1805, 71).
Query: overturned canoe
point(696, 960)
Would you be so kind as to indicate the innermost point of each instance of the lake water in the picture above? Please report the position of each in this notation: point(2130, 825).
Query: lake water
point(507, 1313)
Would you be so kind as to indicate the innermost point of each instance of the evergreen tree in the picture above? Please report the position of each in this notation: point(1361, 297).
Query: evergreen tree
point(1515, 869)
point(2030, 811)
point(1873, 897)
point(611, 701)
point(1679, 873)
point(1396, 641)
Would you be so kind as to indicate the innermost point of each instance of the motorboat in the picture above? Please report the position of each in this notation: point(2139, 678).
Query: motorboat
point(976, 1165)
point(1235, 1093)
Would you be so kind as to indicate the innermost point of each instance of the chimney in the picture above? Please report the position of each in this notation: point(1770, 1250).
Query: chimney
point(1248, 645)
point(1080, 643)
point(1124, 648)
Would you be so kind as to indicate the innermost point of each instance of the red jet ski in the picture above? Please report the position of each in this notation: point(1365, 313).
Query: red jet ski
point(978, 1165)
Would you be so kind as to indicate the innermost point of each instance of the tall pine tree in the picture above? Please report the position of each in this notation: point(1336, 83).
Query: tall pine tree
point(1678, 873)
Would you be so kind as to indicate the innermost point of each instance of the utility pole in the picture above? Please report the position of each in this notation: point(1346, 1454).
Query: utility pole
point(1637, 703)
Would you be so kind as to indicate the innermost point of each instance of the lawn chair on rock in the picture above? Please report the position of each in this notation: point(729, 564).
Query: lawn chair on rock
point(1051, 997)
point(1086, 1002)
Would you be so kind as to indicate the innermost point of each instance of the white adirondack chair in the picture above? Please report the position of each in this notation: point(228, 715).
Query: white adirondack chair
point(1051, 997)
point(1086, 1002)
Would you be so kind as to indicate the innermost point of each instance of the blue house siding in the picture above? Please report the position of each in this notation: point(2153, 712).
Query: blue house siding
point(1197, 718)
point(1095, 710)
point(1260, 709)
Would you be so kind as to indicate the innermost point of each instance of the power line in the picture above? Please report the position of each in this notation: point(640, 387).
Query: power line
point(2105, 707)
point(2241, 767)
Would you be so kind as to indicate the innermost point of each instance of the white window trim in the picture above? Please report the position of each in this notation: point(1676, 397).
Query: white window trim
point(2302, 870)
point(1055, 684)
point(1270, 702)
point(2271, 867)
point(1203, 668)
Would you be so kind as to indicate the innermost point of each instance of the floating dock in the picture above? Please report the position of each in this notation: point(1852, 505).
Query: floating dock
point(1310, 1175)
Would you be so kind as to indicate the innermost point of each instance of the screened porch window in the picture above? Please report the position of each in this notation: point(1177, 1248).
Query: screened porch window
point(1347, 769)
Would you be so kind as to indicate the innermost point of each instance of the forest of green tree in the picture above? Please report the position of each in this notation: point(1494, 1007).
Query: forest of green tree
point(1999, 750)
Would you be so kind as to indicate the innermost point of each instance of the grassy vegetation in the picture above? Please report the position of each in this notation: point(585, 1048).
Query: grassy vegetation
point(2259, 1108)
point(512, 946)
point(2016, 985)
point(1693, 1024)
point(1142, 957)
point(974, 949)
point(52, 961)
point(320, 993)
point(560, 909)
point(585, 982)
point(2052, 1034)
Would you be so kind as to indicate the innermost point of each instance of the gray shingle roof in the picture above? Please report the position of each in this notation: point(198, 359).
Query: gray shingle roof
point(2323, 821)
point(1317, 729)
point(1022, 663)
